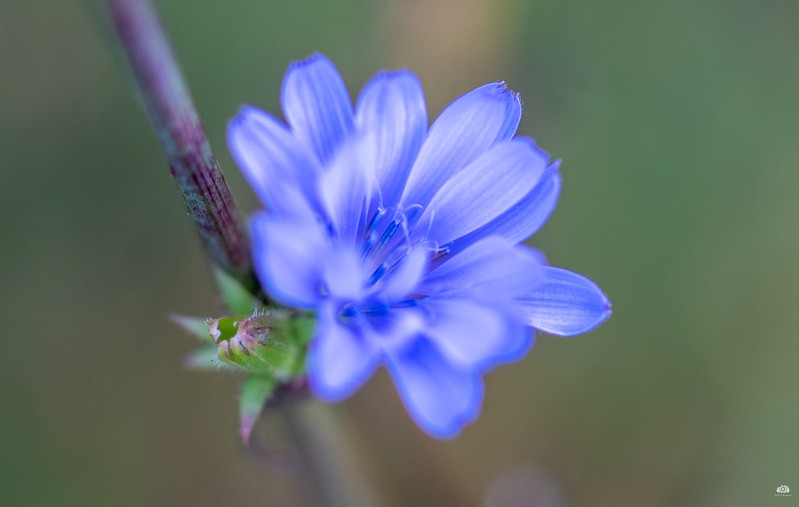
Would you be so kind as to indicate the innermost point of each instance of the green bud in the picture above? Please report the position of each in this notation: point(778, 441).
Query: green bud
point(270, 341)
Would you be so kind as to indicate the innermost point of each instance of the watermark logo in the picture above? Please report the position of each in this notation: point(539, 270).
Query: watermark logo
point(783, 490)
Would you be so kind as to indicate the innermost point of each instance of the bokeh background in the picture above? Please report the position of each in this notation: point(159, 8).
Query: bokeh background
point(677, 125)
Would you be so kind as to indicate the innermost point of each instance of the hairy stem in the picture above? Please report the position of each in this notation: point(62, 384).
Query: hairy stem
point(177, 125)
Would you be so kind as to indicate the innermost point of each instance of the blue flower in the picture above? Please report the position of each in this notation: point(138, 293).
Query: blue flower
point(404, 239)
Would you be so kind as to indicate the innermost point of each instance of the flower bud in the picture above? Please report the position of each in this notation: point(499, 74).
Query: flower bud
point(265, 342)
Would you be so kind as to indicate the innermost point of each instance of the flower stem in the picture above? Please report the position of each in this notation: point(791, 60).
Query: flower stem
point(325, 444)
point(327, 456)
point(177, 125)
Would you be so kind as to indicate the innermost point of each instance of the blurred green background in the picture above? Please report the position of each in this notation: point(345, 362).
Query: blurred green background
point(677, 125)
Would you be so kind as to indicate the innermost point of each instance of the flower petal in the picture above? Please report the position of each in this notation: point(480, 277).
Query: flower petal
point(440, 396)
point(524, 218)
point(274, 163)
point(474, 334)
point(492, 266)
point(343, 274)
point(392, 108)
point(483, 190)
point(513, 114)
point(463, 131)
point(397, 285)
point(347, 185)
point(565, 304)
point(286, 257)
point(393, 330)
point(316, 104)
point(340, 358)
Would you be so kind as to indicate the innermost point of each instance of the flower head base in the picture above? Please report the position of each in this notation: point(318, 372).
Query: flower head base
point(265, 343)
point(404, 240)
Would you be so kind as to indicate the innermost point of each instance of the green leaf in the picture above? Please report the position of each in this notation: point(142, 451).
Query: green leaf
point(197, 326)
point(238, 299)
point(254, 393)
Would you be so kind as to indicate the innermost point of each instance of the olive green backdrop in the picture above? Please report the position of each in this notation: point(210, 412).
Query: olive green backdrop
point(677, 125)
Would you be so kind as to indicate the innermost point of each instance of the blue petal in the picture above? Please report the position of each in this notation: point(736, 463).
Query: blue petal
point(340, 358)
point(286, 257)
point(465, 129)
point(474, 334)
point(316, 104)
point(440, 396)
point(513, 114)
point(343, 274)
point(394, 330)
point(524, 218)
point(347, 185)
point(491, 266)
point(483, 190)
point(401, 282)
point(565, 304)
point(391, 107)
point(275, 164)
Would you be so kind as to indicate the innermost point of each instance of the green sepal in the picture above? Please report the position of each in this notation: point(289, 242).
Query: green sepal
point(205, 358)
point(255, 391)
point(291, 334)
point(196, 326)
point(238, 299)
point(301, 326)
point(271, 342)
point(286, 360)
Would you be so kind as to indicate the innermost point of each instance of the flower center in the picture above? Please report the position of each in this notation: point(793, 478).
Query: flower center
point(386, 243)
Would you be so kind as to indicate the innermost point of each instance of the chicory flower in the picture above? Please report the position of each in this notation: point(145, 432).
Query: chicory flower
point(405, 240)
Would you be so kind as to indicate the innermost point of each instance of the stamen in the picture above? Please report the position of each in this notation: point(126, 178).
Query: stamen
point(389, 232)
point(412, 212)
point(347, 312)
point(440, 252)
point(374, 309)
point(377, 275)
point(374, 249)
point(387, 266)
point(408, 216)
point(407, 303)
point(370, 234)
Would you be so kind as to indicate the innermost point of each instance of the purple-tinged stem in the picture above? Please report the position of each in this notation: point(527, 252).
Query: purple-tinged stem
point(196, 171)
point(177, 125)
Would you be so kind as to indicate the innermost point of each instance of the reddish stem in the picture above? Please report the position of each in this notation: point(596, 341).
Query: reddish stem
point(177, 125)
